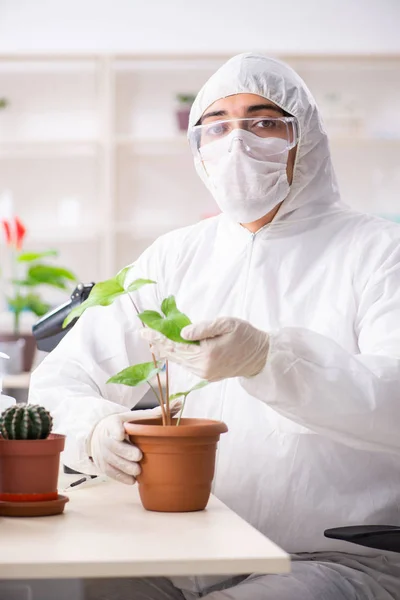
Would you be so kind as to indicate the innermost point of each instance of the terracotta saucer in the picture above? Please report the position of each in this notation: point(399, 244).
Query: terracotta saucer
point(33, 509)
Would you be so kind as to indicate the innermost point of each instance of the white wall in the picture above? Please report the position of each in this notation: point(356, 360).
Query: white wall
point(224, 26)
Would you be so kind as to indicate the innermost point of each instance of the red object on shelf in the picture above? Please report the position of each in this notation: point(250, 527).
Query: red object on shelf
point(20, 232)
point(7, 231)
point(15, 232)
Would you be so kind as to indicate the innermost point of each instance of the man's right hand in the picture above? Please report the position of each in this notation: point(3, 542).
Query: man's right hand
point(110, 450)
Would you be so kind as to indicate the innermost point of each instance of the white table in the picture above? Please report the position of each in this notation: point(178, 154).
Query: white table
point(105, 532)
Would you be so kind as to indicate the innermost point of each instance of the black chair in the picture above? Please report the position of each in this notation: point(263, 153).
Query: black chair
point(380, 537)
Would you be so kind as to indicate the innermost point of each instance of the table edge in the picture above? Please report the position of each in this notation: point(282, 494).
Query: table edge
point(278, 564)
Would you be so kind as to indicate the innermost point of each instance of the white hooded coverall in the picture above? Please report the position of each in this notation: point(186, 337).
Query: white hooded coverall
point(314, 439)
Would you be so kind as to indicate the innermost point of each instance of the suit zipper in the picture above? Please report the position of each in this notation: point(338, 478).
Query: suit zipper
point(247, 275)
point(224, 383)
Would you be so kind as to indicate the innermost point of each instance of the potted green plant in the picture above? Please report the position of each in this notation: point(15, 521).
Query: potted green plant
point(29, 462)
point(178, 453)
point(185, 102)
point(29, 272)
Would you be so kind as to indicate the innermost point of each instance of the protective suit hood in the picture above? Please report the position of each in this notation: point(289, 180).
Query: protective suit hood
point(314, 180)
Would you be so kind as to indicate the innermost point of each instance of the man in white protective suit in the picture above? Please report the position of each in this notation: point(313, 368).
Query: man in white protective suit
point(295, 299)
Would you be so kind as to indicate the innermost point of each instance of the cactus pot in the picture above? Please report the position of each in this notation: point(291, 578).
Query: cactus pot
point(29, 469)
point(178, 462)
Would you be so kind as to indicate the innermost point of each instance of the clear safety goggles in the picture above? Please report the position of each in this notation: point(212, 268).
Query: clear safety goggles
point(263, 128)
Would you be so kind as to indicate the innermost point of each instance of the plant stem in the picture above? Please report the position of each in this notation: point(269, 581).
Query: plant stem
point(161, 397)
point(182, 409)
point(163, 413)
point(134, 305)
point(17, 315)
point(167, 395)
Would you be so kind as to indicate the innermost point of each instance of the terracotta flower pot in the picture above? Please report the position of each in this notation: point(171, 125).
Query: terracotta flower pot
point(178, 462)
point(29, 469)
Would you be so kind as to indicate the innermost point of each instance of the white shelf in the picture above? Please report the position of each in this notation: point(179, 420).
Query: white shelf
point(358, 139)
point(48, 148)
point(44, 64)
point(149, 230)
point(127, 140)
point(184, 64)
point(154, 145)
point(109, 124)
point(63, 235)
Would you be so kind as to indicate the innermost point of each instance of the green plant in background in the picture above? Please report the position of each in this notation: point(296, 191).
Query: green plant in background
point(170, 322)
point(186, 99)
point(30, 272)
point(4, 103)
point(25, 422)
point(38, 274)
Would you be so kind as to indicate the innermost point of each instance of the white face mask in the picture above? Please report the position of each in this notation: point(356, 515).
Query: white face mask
point(246, 174)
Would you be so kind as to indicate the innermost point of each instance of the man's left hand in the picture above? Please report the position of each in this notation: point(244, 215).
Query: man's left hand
point(229, 347)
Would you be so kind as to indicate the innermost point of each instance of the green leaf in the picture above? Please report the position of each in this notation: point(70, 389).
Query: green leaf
point(138, 283)
point(172, 313)
point(186, 98)
point(31, 302)
point(57, 283)
point(50, 275)
point(169, 325)
point(134, 285)
point(198, 386)
point(136, 375)
point(121, 276)
point(31, 256)
point(18, 303)
point(24, 282)
point(31, 282)
point(150, 318)
point(36, 305)
point(164, 325)
point(102, 294)
point(168, 305)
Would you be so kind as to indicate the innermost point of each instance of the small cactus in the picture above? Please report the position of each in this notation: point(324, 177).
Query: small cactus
point(25, 422)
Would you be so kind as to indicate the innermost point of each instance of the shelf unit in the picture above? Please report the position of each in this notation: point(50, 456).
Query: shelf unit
point(90, 149)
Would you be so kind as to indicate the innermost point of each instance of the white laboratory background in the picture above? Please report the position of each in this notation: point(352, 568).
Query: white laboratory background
point(91, 156)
